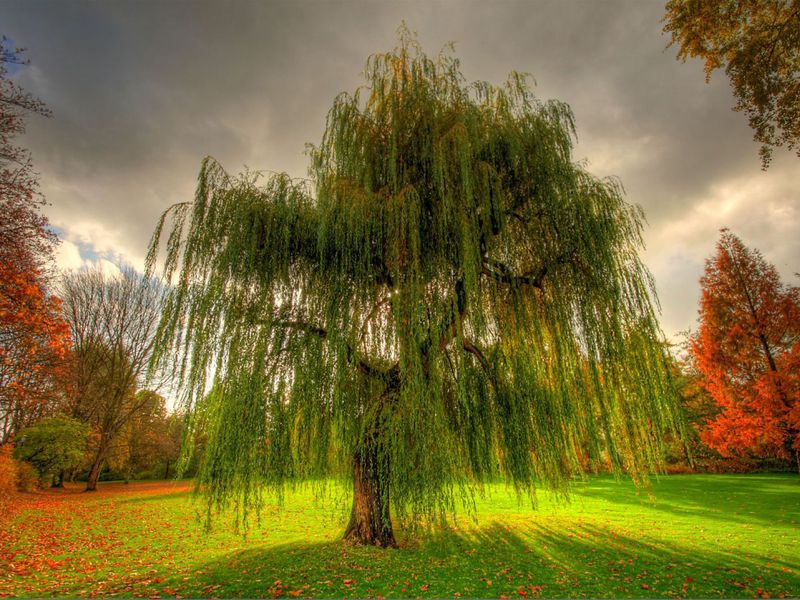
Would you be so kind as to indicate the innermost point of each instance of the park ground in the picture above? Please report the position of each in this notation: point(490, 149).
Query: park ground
point(697, 536)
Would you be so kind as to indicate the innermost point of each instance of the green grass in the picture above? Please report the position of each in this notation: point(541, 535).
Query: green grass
point(701, 536)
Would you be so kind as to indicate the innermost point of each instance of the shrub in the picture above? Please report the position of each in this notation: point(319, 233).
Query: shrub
point(680, 469)
point(8, 471)
point(52, 445)
point(27, 477)
point(725, 465)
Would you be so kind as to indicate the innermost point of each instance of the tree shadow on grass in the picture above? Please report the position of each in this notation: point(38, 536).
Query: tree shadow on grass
point(532, 559)
point(735, 498)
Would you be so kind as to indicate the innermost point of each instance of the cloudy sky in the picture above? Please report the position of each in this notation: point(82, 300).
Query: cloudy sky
point(142, 91)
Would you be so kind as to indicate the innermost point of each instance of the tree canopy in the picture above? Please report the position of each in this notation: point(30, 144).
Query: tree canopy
point(150, 441)
point(447, 299)
point(758, 44)
point(53, 445)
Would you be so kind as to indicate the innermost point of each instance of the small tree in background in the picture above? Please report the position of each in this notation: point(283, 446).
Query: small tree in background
point(417, 318)
point(169, 444)
point(698, 408)
point(747, 351)
point(52, 446)
point(147, 446)
point(758, 44)
point(112, 323)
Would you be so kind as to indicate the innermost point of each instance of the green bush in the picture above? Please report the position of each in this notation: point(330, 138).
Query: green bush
point(52, 446)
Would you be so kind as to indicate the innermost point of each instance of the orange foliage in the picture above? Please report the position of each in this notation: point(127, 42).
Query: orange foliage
point(748, 353)
point(8, 473)
point(34, 344)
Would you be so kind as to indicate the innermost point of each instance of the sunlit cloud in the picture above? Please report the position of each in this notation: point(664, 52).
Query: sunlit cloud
point(77, 251)
point(68, 256)
point(762, 208)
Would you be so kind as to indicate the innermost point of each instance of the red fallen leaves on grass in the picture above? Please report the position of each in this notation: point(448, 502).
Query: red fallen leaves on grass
point(48, 539)
point(41, 551)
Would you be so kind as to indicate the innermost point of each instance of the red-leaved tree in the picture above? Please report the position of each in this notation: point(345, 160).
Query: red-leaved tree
point(34, 338)
point(34, 347)
point(748, 353)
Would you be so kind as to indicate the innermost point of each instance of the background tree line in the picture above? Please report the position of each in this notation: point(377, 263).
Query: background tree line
point(105, 413)
point(75, 396)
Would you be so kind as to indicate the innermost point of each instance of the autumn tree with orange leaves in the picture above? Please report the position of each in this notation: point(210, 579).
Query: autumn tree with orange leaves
point(34, 343)
point(747, 351)
point(34, 339)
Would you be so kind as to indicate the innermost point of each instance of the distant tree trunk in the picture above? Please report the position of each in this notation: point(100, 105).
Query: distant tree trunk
point(370, 519)
point(94, 472)
point(789, 448)
point(166, 470)
point(58, 480)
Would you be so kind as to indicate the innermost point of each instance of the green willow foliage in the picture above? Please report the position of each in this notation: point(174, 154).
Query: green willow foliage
point(448, 286)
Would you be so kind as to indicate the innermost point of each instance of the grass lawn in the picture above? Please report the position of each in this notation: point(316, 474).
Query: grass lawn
point(701, 536)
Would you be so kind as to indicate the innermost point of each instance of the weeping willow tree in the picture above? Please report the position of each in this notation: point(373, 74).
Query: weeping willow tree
point(447, 300)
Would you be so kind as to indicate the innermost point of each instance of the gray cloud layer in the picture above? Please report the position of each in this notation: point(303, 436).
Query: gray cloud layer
point(142, 91)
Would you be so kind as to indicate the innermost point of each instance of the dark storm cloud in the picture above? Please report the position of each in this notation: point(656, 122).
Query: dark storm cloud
point(142, 91)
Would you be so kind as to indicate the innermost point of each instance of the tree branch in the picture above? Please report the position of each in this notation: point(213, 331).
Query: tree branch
point(501, 272)
point(451, 330)
point(478, 353)
point(361, 364)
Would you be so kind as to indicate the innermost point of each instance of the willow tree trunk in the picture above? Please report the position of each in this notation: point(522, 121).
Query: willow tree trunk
point(370, 520)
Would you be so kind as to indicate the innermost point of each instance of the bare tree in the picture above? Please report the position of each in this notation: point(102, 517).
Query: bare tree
point(113, 322)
